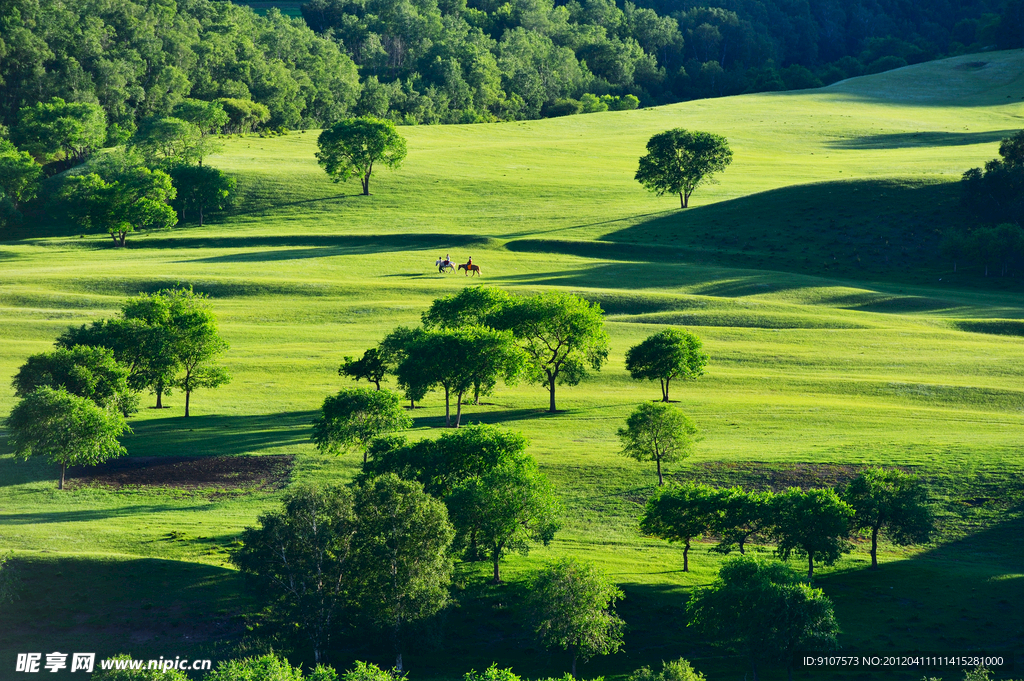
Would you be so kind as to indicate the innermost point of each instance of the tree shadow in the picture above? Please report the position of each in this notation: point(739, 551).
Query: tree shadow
point(352, 244)
point(90, 515)
point(219, 435)
point(929, 138)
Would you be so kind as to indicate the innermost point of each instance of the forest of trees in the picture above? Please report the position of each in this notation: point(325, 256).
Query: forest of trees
point(444, 61)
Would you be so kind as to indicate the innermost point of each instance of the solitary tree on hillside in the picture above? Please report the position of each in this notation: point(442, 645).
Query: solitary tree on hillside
point(682, 513)
point(764, 610)
point(563, 336)
point(299, 558)
point(401, 550)
point(891, 501)
point(678, 161)
point(355, 416)
point(194, 342)
point(505, 509)
point(66, 429)
point(668, 354)
point(573, 606)
point(351, 147)
point(814, 523)
point(659, 433)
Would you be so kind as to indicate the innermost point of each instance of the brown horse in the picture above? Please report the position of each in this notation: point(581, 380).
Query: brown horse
point(475, 269)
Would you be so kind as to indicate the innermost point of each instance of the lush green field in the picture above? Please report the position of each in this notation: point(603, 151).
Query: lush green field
point(837, 339)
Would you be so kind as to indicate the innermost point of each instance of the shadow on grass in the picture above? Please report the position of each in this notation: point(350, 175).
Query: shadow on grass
point(145, 607)
point(219, 435)
point(930, 138)
point(69, 516)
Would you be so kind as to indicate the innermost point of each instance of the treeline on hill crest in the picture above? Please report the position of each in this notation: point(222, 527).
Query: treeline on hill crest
point(445, 61)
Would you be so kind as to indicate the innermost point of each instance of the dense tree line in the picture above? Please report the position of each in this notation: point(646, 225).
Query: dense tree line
point(433, 61)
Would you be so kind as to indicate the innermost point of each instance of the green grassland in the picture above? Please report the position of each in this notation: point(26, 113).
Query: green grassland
point(838, 338)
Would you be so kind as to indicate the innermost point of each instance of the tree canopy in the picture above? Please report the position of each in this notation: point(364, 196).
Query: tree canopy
point(659, 433)
point(667, 355)
point(354, 417)
point(90, 372)
point(682, 513)
point(351, 147)
point(892, 502)
point(678, 161)
point(814, 523)
point(66, 429)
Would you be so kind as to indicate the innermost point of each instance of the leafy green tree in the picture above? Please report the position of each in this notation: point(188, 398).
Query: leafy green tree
point(136, 199)
point(676, 670)
point(299, 559)
point(678, 161)
point(61, 131)
point(659, 433)
point(764, 611)
point(401, 548)
point(20, 174)
point(457, 360)
point(392, 350)
point(892, 502)
point(573, 606)
point(682, 513)
point(506, 509)
point(814, 524)
point(562, 334)
point(208, 117)
point(200, 189)
point(89, 372)
point(264, 668)
point(66, 429)
point(372, 366)
point(354, 417)
point(745, 516)
point(194, 342)
point(170, 141)
point(668, 354)
point(352, 146)
point(365, 671)
point(492, 673)
point(244, 115)
point(471, 306)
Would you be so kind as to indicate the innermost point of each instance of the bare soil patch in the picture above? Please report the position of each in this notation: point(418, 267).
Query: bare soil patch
point(263, 473)
point(774, 476)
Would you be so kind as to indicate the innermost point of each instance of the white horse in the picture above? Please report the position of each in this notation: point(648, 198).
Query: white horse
point(443, 265)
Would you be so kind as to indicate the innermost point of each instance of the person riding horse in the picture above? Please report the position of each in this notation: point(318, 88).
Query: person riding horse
point(445, 264)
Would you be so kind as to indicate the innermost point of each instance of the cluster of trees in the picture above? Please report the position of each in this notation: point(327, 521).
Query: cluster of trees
point(815, 523)
point(472, 339)
point(430, 61)
point(995, 195)
point(380, 553)
point(73, 401)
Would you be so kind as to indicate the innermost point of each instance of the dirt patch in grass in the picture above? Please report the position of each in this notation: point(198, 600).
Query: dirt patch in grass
point(264, 473)
point(752, 475)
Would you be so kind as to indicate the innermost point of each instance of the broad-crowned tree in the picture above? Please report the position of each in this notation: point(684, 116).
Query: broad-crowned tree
point(66, 132)
point(562, 334)
point(471, 306)
point(505, 510)
point(90, 372)
point(20, 174)
point(678, 161)
point(355, 416)
point(351, 147)
point(892, 502)
point(573, 605)
point(813, 523)
point(682, 513)
point(66, 429)
point(136, 198)
point(745, 516)
point(401, 548)
point(200, 189)
point(195, 342)
point(762, 609)
point(372, 367)
point(299, 560)
point(667, 355)
point(659, 433)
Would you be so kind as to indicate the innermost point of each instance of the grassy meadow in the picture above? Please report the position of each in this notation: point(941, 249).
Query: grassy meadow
point(838, 339)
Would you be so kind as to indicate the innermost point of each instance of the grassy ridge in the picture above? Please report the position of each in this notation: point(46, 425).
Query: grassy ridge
point(844, 366)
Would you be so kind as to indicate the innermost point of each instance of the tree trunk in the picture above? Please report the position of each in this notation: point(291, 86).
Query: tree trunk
point(398, 661)
point(458, 410)
point(682, 200)
point(741, 542)
point(447, 411)
point(551, 388)
point(661, 481)
point(686, 556)
point(200, 215)
point(810, 567)
point(495, 557)
point(159, 396)
point(188, 394)
point(753, 665)
point(377, 383)
point(874, 548)
point(63, 468)
point(574, 656)
point(366, 184)
point(124, 235)
point(667, 380)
